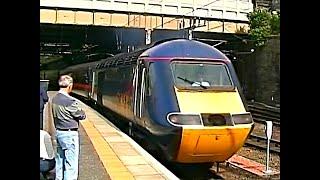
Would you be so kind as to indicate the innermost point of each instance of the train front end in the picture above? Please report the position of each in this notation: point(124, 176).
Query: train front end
point(214, 121)
point(194, 88)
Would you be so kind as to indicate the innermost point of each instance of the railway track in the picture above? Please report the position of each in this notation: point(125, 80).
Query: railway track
point(262, 113)
point(263, 120)
point(261, 143)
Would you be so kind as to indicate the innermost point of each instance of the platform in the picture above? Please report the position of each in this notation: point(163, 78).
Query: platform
point(250, 166)
point(108, 153)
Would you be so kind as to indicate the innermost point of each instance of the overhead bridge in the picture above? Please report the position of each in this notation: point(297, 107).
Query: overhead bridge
point(209, 16)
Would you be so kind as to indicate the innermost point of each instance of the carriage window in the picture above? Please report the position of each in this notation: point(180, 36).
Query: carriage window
point(189, 75)
point(150, 75)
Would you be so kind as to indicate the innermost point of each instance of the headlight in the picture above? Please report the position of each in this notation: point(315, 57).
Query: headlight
point(185, 119)
point(242, 118)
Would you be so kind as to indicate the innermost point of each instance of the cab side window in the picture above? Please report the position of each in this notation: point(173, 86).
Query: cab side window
point(149, 76)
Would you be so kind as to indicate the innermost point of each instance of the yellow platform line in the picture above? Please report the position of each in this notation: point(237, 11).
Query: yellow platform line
point(111, 162)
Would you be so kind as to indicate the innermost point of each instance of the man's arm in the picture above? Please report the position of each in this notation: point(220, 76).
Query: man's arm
point(76, 111)
point(44, 95)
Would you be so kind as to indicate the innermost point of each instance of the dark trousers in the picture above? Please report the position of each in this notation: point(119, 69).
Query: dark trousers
point(47, 165)
point(41, 120)
point(45, 168)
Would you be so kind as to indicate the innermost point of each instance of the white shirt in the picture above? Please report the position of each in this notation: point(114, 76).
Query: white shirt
point(46, 148)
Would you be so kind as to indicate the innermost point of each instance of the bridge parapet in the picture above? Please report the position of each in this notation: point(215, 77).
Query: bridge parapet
point(226, 9)
point(149, 14)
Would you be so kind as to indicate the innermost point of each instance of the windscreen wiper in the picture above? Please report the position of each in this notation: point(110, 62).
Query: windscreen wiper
point(191, 82)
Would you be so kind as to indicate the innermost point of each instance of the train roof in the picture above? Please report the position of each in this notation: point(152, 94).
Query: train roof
point(83, 66)
point(184, 48)
point(169, 48)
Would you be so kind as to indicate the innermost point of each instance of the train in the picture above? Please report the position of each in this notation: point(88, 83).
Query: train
point(183, 96)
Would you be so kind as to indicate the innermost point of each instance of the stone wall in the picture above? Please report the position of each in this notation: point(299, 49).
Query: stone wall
point(259, 73)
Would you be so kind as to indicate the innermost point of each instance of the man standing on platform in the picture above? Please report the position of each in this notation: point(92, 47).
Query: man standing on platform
point(66, 113)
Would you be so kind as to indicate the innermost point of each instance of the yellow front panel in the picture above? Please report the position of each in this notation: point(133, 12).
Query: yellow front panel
point(209, 102)
point(211, 144)
point(207, 143)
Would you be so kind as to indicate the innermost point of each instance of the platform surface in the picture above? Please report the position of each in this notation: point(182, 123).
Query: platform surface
point(108, 153)
point(250, 166)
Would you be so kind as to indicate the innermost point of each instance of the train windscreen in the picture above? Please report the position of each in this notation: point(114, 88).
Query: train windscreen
point(195, 75)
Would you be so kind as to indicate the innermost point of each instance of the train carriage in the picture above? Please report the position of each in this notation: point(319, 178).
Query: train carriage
point(182, 95)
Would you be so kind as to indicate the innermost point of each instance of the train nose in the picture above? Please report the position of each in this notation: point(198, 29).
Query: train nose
point(213, 144)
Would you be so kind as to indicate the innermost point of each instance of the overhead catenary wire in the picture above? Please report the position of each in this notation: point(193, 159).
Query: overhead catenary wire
point(236, 36)
point(186, 13)
point(243, 39)
point(139, 15)
point(212, 40)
